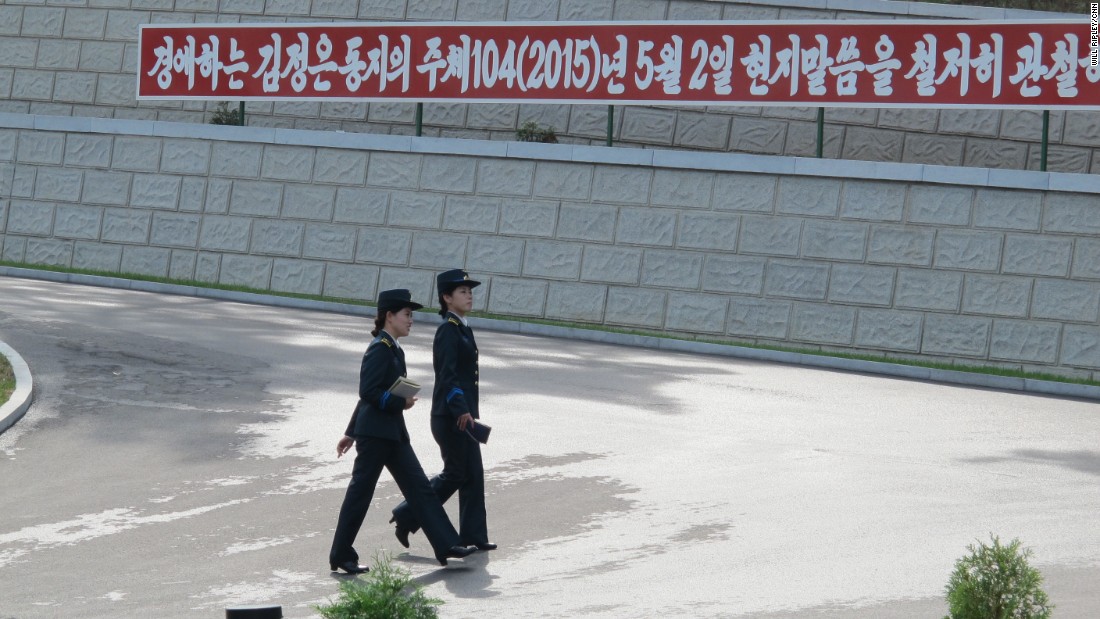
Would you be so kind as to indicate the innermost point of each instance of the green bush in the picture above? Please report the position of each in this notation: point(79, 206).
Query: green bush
point(386, 592)
point(225, 116)
point(996, 582)
point(530, 131)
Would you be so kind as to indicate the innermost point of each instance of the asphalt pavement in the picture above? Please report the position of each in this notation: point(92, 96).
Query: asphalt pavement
point(179, 458)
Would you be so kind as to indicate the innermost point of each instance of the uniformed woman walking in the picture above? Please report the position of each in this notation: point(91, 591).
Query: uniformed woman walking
point(454, 409)
point(377, 429)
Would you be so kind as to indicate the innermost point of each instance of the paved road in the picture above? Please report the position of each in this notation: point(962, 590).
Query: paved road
point(180, 459)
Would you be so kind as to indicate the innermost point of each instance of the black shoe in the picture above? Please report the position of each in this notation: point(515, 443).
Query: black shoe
point(486, 546)
point(401, 533)
point(455, 552)
point(351, 567)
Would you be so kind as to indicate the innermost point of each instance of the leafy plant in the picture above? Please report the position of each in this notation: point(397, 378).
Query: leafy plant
point(7, 380)
point(225, 116)
point(996, 582)
point(386, 592)
point(530, 131)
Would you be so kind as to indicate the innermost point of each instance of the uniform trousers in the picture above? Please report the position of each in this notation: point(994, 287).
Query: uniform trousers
point(463, 472)
point(372, 454)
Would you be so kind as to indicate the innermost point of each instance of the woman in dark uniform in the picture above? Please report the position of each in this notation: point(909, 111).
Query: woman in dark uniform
point(377, 429)
point(454, 408)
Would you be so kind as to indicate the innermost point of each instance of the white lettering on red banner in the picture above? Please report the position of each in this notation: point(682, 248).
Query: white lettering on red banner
point(831, 64)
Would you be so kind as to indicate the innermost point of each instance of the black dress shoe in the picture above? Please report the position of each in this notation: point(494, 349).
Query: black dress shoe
point(401, 533)
point(486, 546)
point(351, 567)
point(455, 552)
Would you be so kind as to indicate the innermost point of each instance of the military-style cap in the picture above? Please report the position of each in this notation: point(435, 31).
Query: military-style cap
point(447, 281)
point(395, 300)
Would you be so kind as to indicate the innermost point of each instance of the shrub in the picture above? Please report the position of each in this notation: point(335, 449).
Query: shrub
point(386, 592)
point(225, 116)
point(530, 131)
point(996, 582)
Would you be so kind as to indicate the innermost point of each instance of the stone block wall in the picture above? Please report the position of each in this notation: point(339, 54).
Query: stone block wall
point(976, 266)
point(78, 57)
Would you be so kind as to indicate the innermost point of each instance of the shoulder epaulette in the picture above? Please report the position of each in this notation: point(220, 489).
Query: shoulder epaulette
point(454, 322)
point(386, 342)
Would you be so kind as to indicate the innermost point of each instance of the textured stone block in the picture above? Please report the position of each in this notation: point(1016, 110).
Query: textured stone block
point(759, 318)
point(298, 276)
point(136, 154)
point(505, 177)
point(492, 254)
point(900, 245)
point(995, 154)
point(648, 126)
point(22, 181)
point(236, 160)
point(928, 289)
point(32, 85)
point(1068, 212)
point(185, 156)
point(638, 307)
point(248, 271)
point(101, 56)
point(287, 163)
point(126, 226)
point(872, 200)
point(342, 167)
point(3, 215)
point(797, 280)
point(619, 265)
point(1081, 346)
point(867, 144)
point(890, 330)
point(256, 198)
point(568, 181)
point(533, 10)
point(1081, 128)
point(745, 192)
point(492, 116)
point(445, 114)
point(308, 202)
point(381, 9)
point(823, 324)
point(382, 246)
point(964, 336)
point(19, 52)
point(586, 10)
point(589, 121)
point(390, 112)
point(996, 295)
point(327, 8)
point(587, 222)
point(520, 297)
point(972, 251)
point(49, 251)
point(573, 301)
point(438, 250)
point(776, 236)
point(481, 10)
point(217, 196)
point(58, 184)
point(862, 285)
point(281, 238)
point(1065, 300)
point(450, 174)
point(14, 248)
point(88, 151)
point(734, 274)
point(758, 136)
point(716, 231)
point(351, 281)
point(621, 185)
point(40, 147)
point(1035, 255)
point(528, 218)
point(646, 226)
point(361, 206)
point(96, 257)
point(833, 240)
point(121, 25)
point(207, 266)
point(912, 119)
point(1018, 340)
point(74, 87)
point(1013, 210)
point(416, 210)
point(1027, 125)
point(672, 269)
point(182, 264)
point(192, 194)
point(30, 218)
point(145, 260)
point(117, 90)
point(172, 230)
point(8, 140)
point(702, 131)
point(225, 233)
point(697, 313)
point(943, 206)
point(814, 196)
point(552, 259)
point(41, 21)
point(1060, 159)
point(1086, 258)
point(58, 54)
point(471, 214)
point(77, 222)
point(971, 122)
point(680, 188)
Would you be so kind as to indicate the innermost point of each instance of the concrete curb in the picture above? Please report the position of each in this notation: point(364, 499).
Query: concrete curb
point(14, 409)
point(971, 379)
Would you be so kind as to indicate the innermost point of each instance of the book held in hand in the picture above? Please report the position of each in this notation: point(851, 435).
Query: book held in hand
point(479, 431)
point(404, 388)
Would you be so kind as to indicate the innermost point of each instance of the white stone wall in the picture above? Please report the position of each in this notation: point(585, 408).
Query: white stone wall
point(78, 57)
point(980, 266)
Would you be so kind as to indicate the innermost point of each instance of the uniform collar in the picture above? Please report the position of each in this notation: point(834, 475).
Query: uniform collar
point(461, 319)
point(386, 335)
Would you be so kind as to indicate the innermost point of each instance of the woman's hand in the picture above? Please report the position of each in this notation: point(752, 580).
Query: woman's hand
point(344, 445)
point(466, 419)
point(409, 402)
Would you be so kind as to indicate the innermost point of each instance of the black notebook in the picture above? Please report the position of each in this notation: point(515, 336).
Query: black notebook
point(479, 431)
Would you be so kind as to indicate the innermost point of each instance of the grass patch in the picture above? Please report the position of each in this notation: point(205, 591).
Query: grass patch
point(1059, 6)
point(883, 358)
point(7, 380)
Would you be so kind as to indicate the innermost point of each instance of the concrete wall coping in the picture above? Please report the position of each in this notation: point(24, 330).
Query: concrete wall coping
point(14, 409)
point(881, 368)
point(659, 158)
point(897, 7)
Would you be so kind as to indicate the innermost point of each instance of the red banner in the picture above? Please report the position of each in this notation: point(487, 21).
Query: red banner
point(1042, 65)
